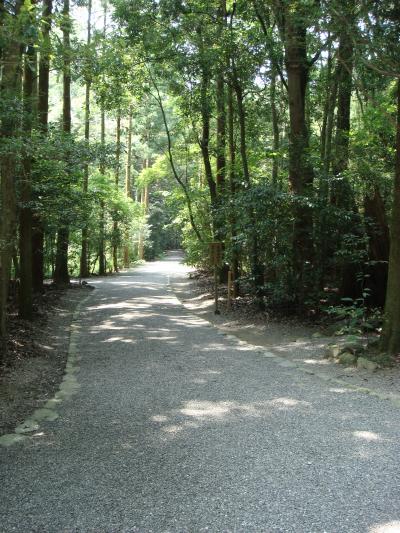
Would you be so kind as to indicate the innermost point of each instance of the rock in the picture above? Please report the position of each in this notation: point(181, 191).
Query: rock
point(366, 364)
point(347, 358)
point(316, 335)
point(352, 347)
point(332, 351)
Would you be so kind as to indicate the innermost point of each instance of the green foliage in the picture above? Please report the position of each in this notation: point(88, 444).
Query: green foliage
point(354, 317)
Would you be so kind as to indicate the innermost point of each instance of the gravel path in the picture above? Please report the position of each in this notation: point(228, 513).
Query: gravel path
point(174, 427)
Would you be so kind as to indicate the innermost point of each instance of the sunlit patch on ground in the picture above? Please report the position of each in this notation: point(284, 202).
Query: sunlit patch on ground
point(369, 436)
point(389, 527)
point(288, 402)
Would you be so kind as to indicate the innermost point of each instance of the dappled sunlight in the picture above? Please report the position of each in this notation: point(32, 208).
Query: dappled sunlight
point(206, 409)
point(194, 414)
point(322, 362)
point(212, 347)
point(368, 436)
point(173, 428)
point(161, 338)
point(120, 339)
point(288, 402)
point(159, 418)
point(387, 527)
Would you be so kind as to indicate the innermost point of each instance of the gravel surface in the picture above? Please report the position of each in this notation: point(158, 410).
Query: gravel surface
point(289, 339)
point(177, 428)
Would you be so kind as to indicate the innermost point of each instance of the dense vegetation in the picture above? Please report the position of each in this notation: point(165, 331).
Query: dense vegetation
point(270, 126)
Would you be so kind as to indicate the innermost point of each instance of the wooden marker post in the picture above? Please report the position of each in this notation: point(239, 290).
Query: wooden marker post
point(215, 260)
point(229, 289)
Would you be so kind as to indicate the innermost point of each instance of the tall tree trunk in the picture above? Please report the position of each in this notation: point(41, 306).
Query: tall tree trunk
point(10, 83)
point(301, 173)
point(220, 174)
point(128, 181)
point(342, 195)
point(378, 244)
point(102, 258)
point(61, 274)
point(327, 121)
point(205, 141)
point(84, 262)
point(275, 129)
point(43, 114)
point(233, 188)
point(25, 212)
point(117, 170)
point(221, 113)
point(391, 330)
point(323, 241)
point(256, 266)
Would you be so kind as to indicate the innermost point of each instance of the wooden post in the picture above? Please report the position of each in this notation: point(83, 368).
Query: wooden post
point(229, 289)
point(215, 250)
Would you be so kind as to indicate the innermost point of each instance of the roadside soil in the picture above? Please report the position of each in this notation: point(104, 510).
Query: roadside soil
point(303, 344)
point(37, 353)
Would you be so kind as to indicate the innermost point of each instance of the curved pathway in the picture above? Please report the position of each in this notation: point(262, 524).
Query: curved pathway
point(175, 428)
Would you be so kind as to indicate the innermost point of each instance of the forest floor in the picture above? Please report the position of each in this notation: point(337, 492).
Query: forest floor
point(303, 344)
point(37, 353)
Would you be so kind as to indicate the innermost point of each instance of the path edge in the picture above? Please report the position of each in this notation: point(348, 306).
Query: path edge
point(68, 387)
point(394, 399)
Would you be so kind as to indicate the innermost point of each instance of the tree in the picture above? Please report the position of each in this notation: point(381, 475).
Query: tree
point(84, 267)
point(61, 274)
point(9, 90)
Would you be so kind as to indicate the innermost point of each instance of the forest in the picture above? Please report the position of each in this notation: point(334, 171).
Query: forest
point(129, 127)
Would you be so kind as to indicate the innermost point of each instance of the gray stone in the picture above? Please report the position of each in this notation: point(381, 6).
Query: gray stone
point(366, 364)
point(352, 347)
point(347, 358)
point(332, 351)
point(29, 426)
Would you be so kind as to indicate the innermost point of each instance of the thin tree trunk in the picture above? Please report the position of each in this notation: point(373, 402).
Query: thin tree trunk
point(84, 262)
point(256, 267)
point(128, 181)
point(275, 129)
point(205, 142)
point(43, 114)
point(102, 259)
point(25, 212)
point(117, 170)
point(61, 274)
point(221, 113)
point(391, 330)
point(173, 167)
point(233, 188)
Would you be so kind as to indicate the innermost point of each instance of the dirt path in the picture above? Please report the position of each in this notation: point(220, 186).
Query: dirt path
point(162, 424)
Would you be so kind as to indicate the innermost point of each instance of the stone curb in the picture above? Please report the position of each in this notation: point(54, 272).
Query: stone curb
point(286, 363)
